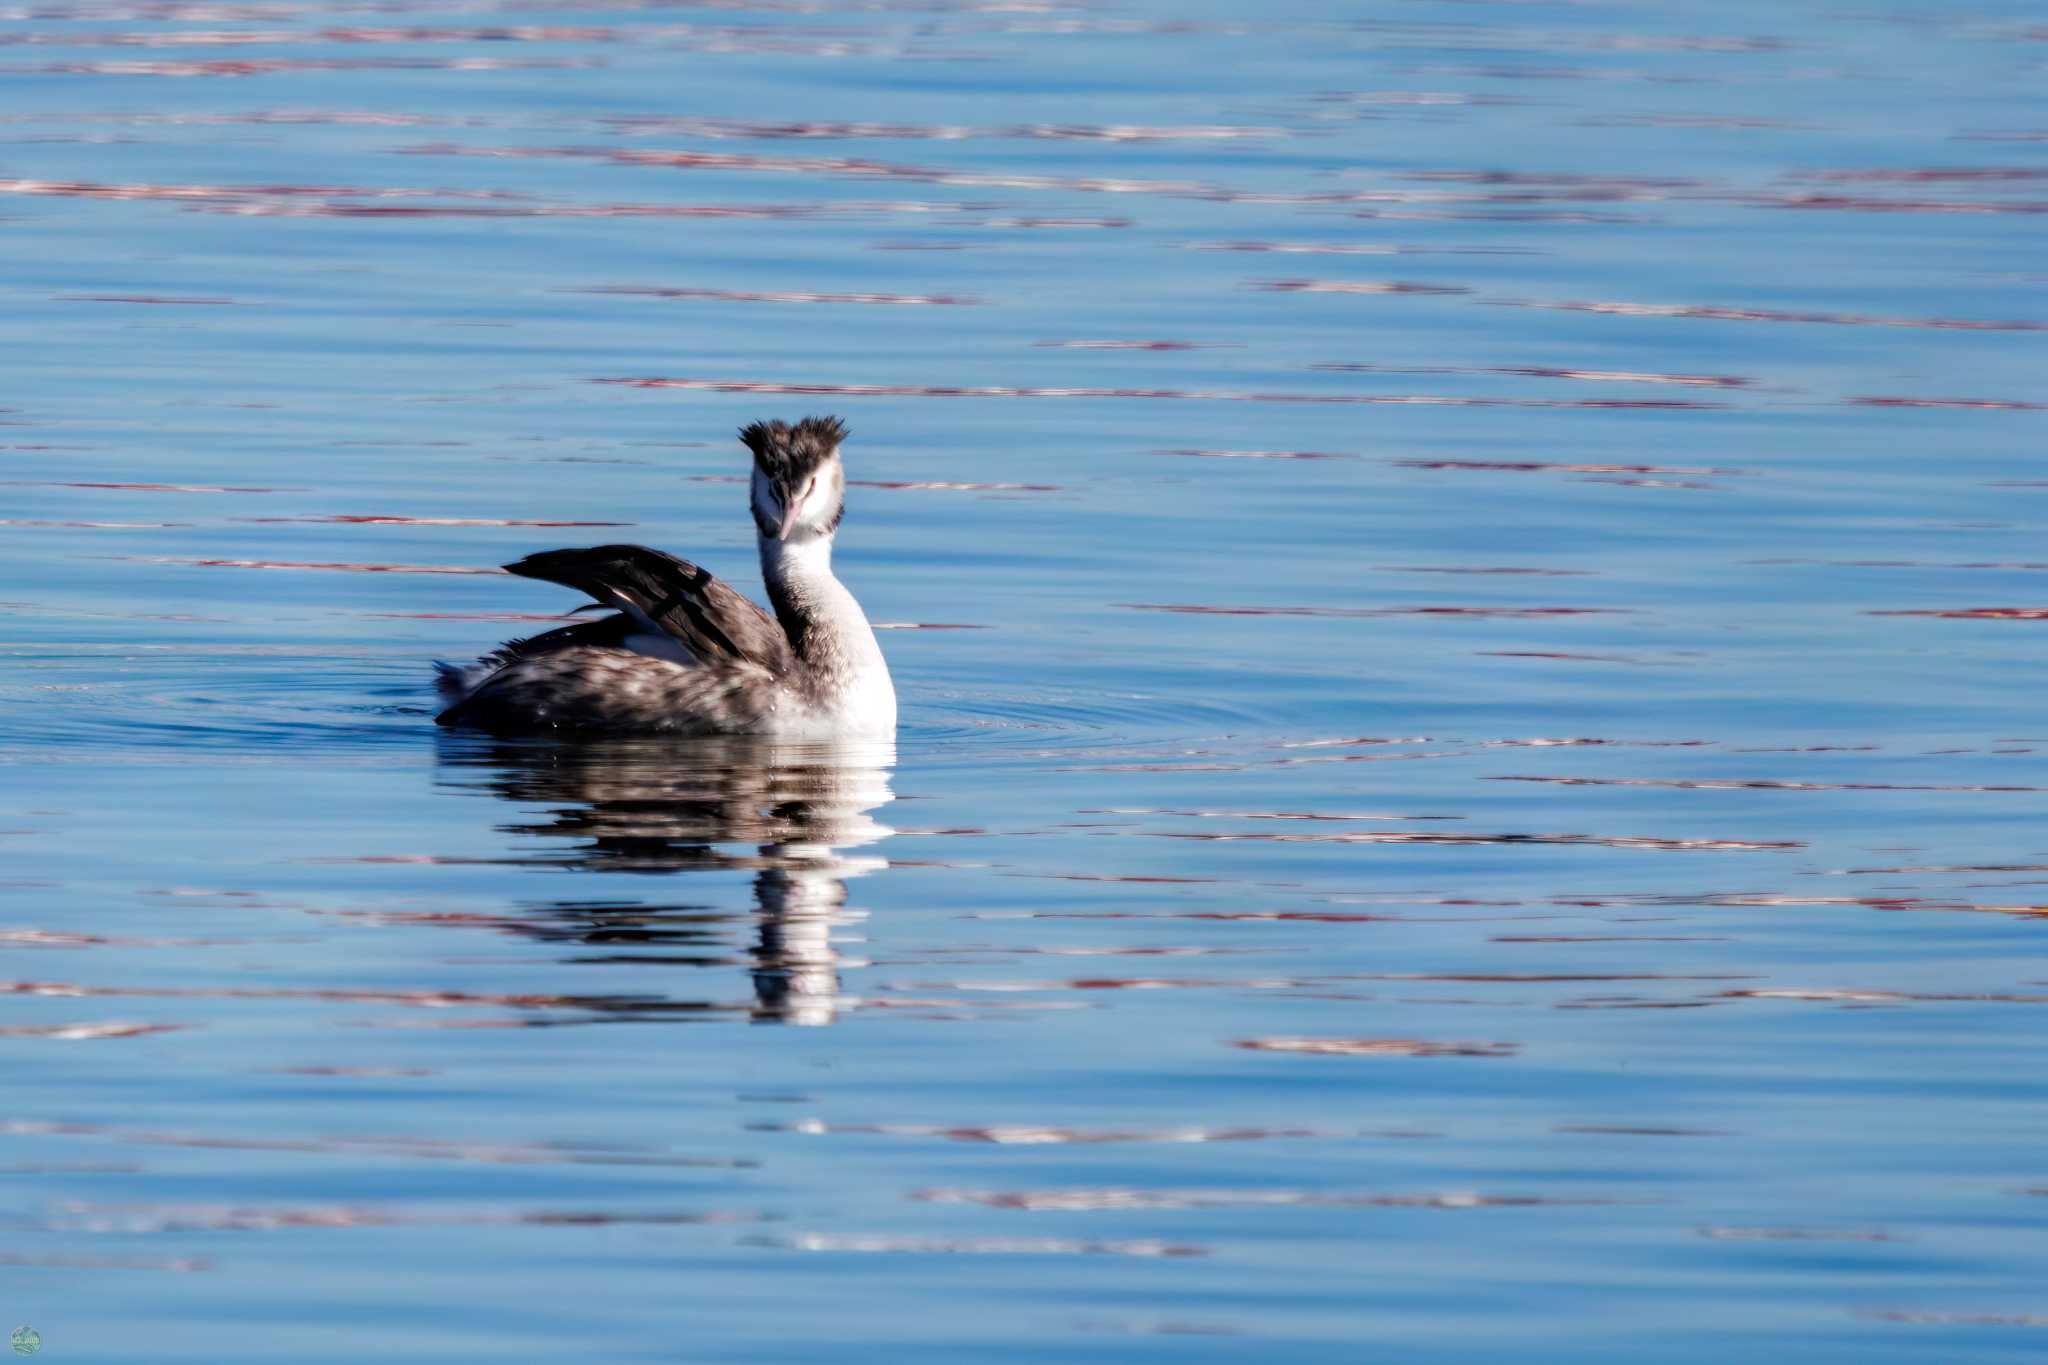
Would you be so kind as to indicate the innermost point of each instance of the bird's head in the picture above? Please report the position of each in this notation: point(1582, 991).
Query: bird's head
point(799, 490)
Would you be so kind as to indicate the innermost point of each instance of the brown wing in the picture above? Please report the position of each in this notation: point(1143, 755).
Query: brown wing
point(695, 608)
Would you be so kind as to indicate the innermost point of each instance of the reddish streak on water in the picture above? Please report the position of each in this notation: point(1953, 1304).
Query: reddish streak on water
point(419, 999)
point(1728, 1234)
point(821, 129)
point(1643, 1130)
point(1716, 381)
point(1871, 204)
point(1980, 404)
point(422, 521)
point(778, 296)
point(1925, 174)
point(2009, 565)
point(1029, 1135)
point(1253, 814)
point(1209, 395)
point(1353, 249)
point(1606, 938)
point(322, 200)
point(1355, 287)
point(336, 1070)
point(1404, 837)
point(983, 1246)
point(1257, 454)
point(308, 564)
point(141, 487)
point(164, 299)
point(392, 1145)
point(467, 616)
point(1518, 613)
point(1569, 657)
point(1484, 570)
point(97, 525)
point(78, 1032)
point(1080, 1200)
point(1129, 345)
point(854, 167)
point(1055, 224)
point(1678, 310)
point(1759, 784)
point(180, 1264)
point(1977, 613)
point(1546, 466)
point(271, 66)
point(1377, 1047)
point(1922, 1315)
point(952, 485)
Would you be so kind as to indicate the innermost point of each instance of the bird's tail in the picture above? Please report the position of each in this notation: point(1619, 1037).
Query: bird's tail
point(455, 681)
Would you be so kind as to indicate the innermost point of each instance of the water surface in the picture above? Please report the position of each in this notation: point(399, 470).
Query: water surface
point(1466, 581)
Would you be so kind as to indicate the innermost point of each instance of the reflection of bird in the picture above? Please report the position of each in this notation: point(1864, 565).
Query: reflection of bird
point(655, 806)
point(685, 654)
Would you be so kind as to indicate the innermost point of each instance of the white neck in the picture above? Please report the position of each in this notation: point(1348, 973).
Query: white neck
point(833, 640)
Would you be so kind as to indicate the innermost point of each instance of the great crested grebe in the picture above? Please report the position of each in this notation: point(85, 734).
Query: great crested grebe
point(684, 653)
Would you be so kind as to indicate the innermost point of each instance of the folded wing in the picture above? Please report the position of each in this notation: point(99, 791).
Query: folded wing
point(695, 613)
point(684, 654)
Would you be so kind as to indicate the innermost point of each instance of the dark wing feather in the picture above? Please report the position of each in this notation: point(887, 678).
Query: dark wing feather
point(714, 623)
point(608, 633)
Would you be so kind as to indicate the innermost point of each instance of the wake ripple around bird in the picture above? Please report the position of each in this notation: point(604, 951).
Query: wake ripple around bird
point(967, 719)
point(159, 704)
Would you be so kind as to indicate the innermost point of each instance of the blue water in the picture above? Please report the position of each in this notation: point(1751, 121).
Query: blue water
point(1479, 797)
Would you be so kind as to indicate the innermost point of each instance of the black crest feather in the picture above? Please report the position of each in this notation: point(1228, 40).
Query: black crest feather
point(791, 454)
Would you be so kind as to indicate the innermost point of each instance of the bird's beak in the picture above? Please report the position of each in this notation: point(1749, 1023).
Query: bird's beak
point(789, 515)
